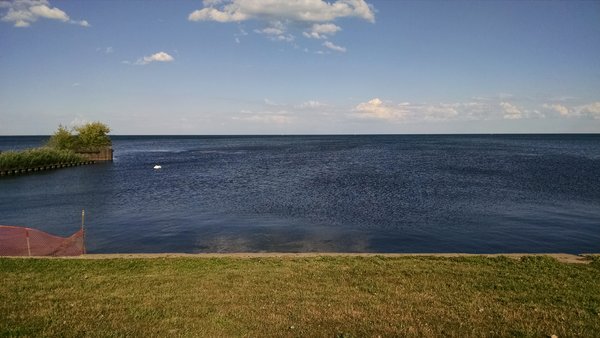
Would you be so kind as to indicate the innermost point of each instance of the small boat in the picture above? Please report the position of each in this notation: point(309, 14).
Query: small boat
point(157, 167)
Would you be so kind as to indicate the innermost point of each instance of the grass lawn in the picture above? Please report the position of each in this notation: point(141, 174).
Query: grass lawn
point(300, 296)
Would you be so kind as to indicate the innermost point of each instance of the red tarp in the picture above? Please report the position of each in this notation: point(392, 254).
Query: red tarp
point(20, 241)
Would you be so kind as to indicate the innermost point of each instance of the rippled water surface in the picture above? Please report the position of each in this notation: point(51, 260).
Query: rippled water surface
point(475, 193)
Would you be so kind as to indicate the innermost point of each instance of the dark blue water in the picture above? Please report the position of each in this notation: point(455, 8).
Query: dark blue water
point(479, 194)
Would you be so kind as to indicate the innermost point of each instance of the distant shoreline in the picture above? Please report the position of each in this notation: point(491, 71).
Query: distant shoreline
point(357, 134)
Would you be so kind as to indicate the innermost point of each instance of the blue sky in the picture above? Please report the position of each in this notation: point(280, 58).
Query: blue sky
point(289, 67)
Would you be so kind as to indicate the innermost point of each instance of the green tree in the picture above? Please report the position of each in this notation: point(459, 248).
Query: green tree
point(62, 139)
point(92, 136)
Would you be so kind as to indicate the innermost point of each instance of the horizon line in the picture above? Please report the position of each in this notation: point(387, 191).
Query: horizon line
point(326, 134)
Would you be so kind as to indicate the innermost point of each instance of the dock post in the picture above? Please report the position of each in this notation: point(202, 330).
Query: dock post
point(83, 228)
point(28, 245)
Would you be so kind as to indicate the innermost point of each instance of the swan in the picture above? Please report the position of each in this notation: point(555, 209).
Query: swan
point(157, 167)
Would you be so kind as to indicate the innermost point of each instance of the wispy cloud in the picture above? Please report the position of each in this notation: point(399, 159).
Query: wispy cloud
point(276, 31)
point(267, 117)
point(105, 50)
point(22, 13)
point(321, 31)
point(270, 102)
point(334, 47)
point(312, 104)
point(478, 109)
point(82, 23)
point(156, 57)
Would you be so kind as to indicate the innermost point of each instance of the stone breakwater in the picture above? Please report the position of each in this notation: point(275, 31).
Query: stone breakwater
point(21, 171)
point(104, 154)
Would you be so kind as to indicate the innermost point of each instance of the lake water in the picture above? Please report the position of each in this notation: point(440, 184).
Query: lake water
point(436, 193)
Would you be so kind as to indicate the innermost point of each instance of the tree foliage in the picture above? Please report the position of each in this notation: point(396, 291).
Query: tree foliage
point(90, 137)
point(62, 139)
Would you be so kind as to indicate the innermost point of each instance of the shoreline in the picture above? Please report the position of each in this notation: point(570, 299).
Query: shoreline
point(560, 257)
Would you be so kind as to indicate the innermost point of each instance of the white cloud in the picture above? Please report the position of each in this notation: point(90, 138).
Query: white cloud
point(156, 57)
point(559, 108)
point(284, 10)
point(511, 112)
point(591, 109)
point(21, 23)
point(269, 31)
point(270, 102)
point(440, 112)
point(377, 109)
point(212, 2)
point(277, 119)
point(286, 38)
point(334, 47)
point(105, 50)
point(212, 14)
point(312, 105)
point(269, 117)
point(322, 31)
point(22, 13)
point(314, 17)
point(44, 11)
point(563, 98)
point(443, 111)
point(82, 23)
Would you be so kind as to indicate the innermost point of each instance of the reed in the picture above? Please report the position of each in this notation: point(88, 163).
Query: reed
point(37, 157)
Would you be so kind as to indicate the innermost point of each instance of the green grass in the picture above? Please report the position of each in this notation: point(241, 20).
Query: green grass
point(308, 296)
point(36, 157)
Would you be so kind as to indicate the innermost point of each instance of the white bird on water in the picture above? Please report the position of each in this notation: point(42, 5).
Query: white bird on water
point(157, 167)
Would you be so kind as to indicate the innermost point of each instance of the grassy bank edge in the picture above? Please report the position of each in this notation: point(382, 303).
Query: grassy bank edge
point(583, 258)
